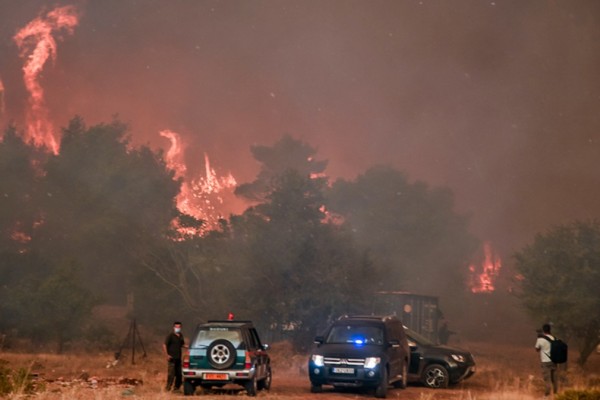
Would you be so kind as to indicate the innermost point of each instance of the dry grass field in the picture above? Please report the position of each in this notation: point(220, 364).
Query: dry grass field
point(504, 373)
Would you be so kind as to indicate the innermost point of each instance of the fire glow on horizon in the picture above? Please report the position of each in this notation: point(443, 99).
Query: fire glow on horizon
point(37, 43)
point(481, 280)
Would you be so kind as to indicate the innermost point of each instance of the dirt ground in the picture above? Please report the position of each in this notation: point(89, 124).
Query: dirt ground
point(503, 373)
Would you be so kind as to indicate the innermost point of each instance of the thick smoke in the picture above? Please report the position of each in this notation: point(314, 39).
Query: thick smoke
point(496, 100)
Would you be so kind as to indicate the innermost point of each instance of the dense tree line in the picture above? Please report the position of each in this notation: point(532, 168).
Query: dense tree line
point(74, 225)
point(93, 224)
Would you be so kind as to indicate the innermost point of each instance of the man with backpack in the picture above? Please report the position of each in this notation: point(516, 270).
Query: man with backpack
point(544, 345)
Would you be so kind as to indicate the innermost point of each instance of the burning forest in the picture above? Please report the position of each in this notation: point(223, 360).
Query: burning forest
point(145, 155)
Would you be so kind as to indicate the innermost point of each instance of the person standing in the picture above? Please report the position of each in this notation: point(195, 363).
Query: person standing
point(172, 347)
point(444, 333)
point(549, 370)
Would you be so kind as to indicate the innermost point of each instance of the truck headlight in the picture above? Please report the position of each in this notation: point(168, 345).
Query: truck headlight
point(317, 360)
point(372, 362)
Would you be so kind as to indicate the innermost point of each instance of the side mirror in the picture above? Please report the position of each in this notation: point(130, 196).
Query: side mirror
point(265, 347)
point(319, 339)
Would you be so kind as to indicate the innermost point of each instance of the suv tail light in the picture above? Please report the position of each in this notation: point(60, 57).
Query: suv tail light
point(248, 361)
point(185, 363)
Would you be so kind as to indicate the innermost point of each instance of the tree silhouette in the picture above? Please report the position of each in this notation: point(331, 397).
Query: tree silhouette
point(286, 154)
point(559, 281)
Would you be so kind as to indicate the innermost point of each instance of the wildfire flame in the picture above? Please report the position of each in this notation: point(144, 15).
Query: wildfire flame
point(331, 218)
point(206, 194)
point(37, 43)
point(483, 282)
point(174, 157)
point(212, 183)
point(197, 196)
point(175, 162)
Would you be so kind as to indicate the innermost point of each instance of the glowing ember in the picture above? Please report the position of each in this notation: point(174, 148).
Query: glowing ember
point(483, 282)
point(212, 183)
point(37, 43)
point(207, 193)
point(199, 196)
point(331, 218)
point(1, 98)
point(20, 237)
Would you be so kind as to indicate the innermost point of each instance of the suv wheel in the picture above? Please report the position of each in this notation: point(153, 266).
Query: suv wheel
point(381, 389)
point(435, 376)
point(221, 354)
point(188, 388)
point(250, 386)
point(265, 384)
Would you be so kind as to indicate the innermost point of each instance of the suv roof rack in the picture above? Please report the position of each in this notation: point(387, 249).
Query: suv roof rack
point(230, 321)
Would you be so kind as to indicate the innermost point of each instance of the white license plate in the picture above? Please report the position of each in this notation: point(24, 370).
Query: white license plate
point(337, 370)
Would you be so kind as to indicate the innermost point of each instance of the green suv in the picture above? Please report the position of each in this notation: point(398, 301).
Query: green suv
point(224, 352)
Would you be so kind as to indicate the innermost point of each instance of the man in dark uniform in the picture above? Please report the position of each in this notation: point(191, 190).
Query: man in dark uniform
point(172, 349)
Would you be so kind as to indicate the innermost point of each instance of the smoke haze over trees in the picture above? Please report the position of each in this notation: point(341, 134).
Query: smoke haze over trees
point(98, 222)
point(496, 100)
point(410, 229)
point(101, 214)
point(482, 114)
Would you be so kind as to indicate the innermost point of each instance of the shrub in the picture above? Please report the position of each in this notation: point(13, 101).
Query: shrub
point(579, 395)
point(22, 381)
point(5, 381)
point(18, 381)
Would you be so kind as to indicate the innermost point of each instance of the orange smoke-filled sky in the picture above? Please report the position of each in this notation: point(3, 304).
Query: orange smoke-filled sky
point(497, 100)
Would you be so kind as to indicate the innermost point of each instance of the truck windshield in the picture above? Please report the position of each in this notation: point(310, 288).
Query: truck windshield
point(356, 334)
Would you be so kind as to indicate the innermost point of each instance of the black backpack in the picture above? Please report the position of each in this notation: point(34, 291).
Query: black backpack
point(559, 350)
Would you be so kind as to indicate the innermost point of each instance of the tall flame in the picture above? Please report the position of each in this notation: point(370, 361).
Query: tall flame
point(174, 157)
point(197, 196)
point(175, 161)
point(483, 282)
point(36, 43)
